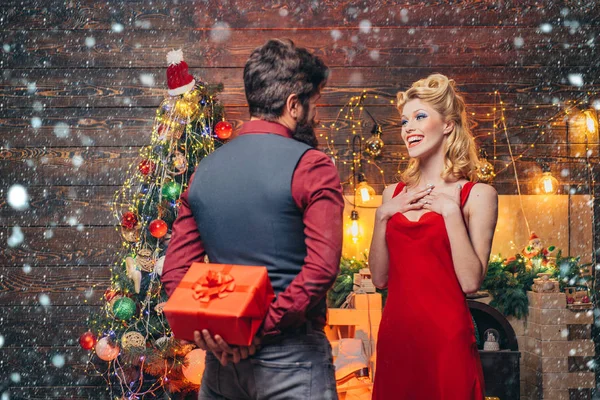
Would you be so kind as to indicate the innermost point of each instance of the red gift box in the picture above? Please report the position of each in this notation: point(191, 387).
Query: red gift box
point(228, 300)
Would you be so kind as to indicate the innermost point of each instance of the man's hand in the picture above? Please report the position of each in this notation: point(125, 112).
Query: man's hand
point(222, 350)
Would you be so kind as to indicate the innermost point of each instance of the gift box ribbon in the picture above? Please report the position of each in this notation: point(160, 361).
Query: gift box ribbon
point(214, 285)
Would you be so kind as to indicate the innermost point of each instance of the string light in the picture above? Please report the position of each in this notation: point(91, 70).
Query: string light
point(138, 193)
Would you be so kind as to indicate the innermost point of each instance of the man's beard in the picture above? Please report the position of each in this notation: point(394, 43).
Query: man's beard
point(305, 131)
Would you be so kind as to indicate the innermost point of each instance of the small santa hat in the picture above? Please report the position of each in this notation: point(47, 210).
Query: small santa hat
point(178, 78)
point(533, 236)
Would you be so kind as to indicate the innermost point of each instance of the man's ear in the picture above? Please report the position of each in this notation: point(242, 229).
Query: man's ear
point(293, 106)
point(449, 128)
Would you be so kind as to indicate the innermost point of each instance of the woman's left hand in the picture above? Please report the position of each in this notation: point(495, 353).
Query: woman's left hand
point(443, 203)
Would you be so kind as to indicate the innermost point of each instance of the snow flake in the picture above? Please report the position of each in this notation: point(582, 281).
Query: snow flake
point(36, 122)
point(58, 360)
point(117, 27)
point(147, 79)
point(519, 42)
point(16, 238)
point(365, 26)
point(336, 34)
point(576, 79)
point(44, 300)
point(15, 377)
point(77, 160)
point(220, 32)
point(18, 198)
point(61, 130)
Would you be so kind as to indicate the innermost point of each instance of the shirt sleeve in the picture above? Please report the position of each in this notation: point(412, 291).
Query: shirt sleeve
point(317, 191)
point(185, 247)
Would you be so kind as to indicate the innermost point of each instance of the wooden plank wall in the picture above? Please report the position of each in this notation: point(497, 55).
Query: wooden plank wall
point(99, 69)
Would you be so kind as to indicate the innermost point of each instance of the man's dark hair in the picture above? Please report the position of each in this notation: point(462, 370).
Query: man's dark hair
point(278, 69)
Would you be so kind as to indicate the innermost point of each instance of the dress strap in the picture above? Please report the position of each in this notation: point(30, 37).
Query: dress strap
point(399, 188)
point(464, 194)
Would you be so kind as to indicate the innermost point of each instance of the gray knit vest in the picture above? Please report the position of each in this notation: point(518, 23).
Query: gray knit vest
point(241, 199)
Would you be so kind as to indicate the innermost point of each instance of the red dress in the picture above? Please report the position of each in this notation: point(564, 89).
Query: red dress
point(426, 348)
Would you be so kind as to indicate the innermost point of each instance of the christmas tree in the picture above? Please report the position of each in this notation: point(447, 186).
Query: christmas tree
point(130, 339)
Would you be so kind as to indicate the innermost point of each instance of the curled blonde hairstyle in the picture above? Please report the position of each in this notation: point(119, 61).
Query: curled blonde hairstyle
point(460, 152)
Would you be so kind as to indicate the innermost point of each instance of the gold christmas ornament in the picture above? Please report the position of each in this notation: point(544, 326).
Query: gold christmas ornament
point(374, 145)
point(132, 235)
point(144, 260)
point(133, 339)
point(485, 171)
point(178, 164)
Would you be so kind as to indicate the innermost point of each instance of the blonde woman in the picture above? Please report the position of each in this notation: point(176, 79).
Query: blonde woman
point(432, 240)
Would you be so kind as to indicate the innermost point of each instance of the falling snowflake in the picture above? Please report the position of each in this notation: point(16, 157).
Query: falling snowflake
point(44, 300)
point(220, 32)
point(519, 42)
point(147, 79)
point(18, 198)
point(576, 79)
point(58, 360)
point(61, 130)
point(36, 122)
point(117, 27)
point(365, 26)
point(16, 238)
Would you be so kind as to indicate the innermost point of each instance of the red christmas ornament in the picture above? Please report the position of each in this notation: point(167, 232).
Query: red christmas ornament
point(129, 220)
point(87, 341)
point(223, 130)
point(158, 228)
point(110, 294)
point(146, 167)
point(585, 299)
point(570, 300)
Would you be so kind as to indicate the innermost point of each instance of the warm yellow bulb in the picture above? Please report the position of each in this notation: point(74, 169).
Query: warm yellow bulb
point(354, 230)
point(548, 184)
point(366, 193)
point(591, 122)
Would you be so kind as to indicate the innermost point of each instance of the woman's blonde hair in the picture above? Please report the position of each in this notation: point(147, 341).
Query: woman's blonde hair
point(460, 153)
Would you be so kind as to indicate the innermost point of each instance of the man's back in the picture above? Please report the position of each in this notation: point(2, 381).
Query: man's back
point(241, 198)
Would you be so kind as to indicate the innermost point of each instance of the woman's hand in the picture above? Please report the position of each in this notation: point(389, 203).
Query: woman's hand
point(443, 203)
point(402, 203)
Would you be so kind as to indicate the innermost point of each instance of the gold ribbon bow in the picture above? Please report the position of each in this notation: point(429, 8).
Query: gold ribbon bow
point(214, 284)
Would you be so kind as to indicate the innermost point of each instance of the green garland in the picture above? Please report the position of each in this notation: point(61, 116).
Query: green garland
point(509, 280)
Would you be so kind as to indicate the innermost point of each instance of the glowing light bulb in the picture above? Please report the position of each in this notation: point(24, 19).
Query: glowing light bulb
point(355, 230)
point(365, 191)
point(591, 122)
point(548, 184)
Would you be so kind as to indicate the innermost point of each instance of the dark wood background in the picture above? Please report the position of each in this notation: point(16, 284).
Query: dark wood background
point(88, 64)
